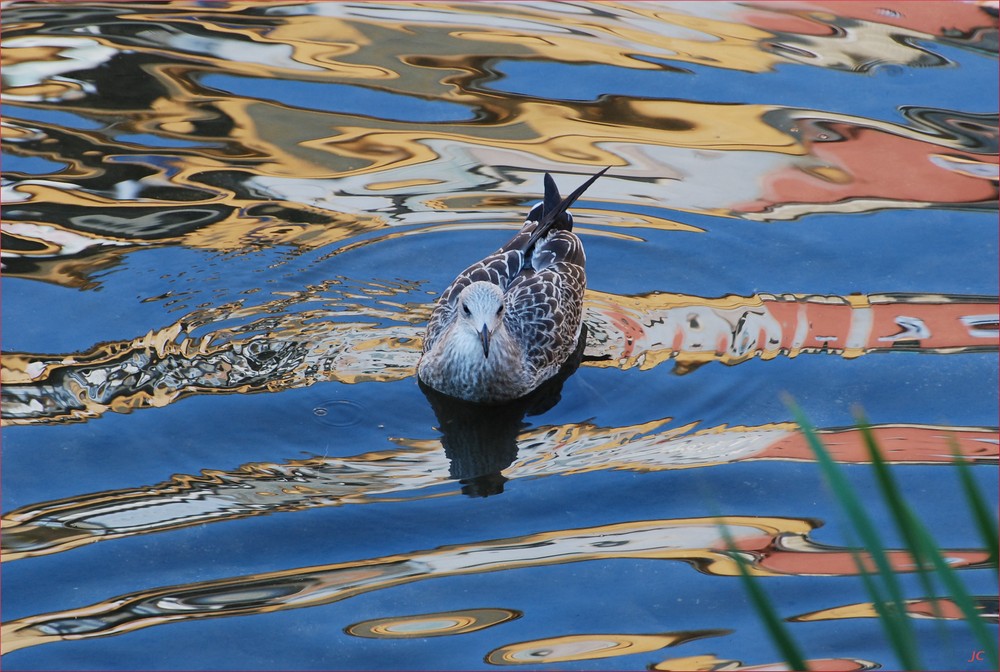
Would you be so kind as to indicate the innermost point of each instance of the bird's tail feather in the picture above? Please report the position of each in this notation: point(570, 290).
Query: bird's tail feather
point(554, 207)
point(552, 197)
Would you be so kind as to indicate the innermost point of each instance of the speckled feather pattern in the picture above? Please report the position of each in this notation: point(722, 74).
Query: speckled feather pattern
point(543, 302)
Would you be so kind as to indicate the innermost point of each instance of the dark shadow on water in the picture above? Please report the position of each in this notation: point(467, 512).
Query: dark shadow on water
point(480, 440)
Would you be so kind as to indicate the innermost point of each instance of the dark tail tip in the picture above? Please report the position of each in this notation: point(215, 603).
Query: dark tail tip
point(552, 197)
point(578, 192)
point(554, 207)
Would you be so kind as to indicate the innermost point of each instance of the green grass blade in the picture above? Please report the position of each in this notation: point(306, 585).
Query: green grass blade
point(984, 519)
point(883, 608)
point(960, 596)
point(762, 604)
point(892, 616)
point(892, 494)
point(922, 547)
point(892, 611)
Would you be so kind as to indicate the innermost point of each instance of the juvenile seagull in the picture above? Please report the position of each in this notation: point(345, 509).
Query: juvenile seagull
point(508, 323)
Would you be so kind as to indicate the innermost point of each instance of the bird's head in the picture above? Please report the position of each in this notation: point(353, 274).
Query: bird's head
point(480, 310)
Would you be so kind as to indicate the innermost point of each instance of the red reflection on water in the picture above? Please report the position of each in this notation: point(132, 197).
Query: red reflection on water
point(852, 162)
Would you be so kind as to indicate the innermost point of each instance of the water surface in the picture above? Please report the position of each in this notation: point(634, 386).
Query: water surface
point(225, 225)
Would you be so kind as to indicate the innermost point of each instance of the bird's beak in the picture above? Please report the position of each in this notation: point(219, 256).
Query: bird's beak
point(484, 336)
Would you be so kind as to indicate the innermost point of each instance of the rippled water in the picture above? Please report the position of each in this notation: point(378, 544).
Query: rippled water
point(224, 227)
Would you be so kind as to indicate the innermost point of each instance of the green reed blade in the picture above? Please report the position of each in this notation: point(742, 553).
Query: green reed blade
point(893, 496)
point(887, 614)
point(921, 545)
point(765, 609)
point(895, 622)
point(891, 615)
point(984, 518)
point(961, 597)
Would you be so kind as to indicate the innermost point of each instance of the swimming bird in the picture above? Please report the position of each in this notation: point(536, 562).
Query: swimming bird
point(507, 323)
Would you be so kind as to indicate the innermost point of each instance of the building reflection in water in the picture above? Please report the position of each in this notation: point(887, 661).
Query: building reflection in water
point(772, 546)
point(365, 332)
point(412, 471)
point(208, 152)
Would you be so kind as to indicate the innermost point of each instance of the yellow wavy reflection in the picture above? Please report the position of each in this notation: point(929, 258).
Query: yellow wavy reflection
point(774, 546)
point(439, 624)
point(570, 648)
point(323, 584)
point(711, 663)
point(558, 133)
point(285, 343)
point(742, 37)
point(328, 168)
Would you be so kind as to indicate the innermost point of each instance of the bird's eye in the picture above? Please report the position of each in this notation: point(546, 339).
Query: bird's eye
point(465, 309)
point(500, 309)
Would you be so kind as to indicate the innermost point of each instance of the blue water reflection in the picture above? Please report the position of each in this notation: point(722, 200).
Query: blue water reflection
point(224, 228)
point(816, 88)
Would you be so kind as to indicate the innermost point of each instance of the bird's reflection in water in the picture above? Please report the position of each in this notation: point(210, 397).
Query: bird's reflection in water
point(480, 440)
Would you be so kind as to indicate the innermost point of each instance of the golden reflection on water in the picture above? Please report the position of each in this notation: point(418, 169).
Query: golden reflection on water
point(712, 663)
point(772, 546)
point(590, 647)
point(439, 624)
point(250, 170)
point(293, 341)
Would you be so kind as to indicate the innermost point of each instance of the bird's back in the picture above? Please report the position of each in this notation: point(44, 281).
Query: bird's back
point(541, 272)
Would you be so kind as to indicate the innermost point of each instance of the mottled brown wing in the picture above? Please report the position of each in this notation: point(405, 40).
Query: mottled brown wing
point(544, 306)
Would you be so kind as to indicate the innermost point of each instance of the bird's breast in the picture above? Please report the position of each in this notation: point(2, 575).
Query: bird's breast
point(458, 367)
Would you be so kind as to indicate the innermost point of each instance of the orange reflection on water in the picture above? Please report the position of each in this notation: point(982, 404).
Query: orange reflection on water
point(293, 344)
point(711, 663)
point(848, 164)
point(941, 608)
point(646, 331)
point(570, 648)
point(774, 546)
point(275, 173)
